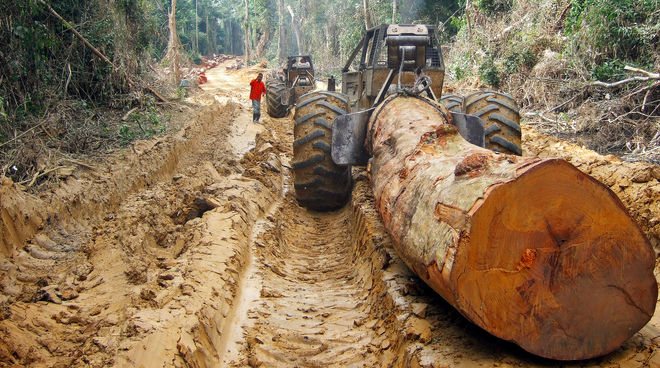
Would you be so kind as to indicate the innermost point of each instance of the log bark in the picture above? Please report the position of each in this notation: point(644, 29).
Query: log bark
point(532, 250)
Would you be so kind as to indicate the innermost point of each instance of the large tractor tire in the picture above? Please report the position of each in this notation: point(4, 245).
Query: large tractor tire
point(274, 90)
point(501, 118)
point(319, 184)
point(453, 103)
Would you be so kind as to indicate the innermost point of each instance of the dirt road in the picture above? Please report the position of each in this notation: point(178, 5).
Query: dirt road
point(189, 250)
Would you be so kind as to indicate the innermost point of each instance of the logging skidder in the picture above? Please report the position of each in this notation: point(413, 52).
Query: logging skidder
point(296, 79)
point(532, 250)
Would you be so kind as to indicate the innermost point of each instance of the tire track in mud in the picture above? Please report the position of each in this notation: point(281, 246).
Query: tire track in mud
point(134, 287)
point(313, 309)
point(320, 302)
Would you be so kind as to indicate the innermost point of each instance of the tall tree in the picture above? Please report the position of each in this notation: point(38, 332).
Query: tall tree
point(393, 11)
point(247, 32)
point(281, 47)
point(209, 47)
point(230, 33)
point(296, 30)
point(173, 44)
point(368, 23)
point(196, 29)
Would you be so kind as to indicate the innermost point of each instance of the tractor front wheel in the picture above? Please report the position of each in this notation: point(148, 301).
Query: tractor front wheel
point(274, 90)
point(319, 183)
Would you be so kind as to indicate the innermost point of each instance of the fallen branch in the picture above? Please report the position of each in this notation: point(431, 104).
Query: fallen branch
point(647, 88)
point(22, 134)
point(540, 114)
point(76, 33)
point(561, 105)
point(125, 117)
point(39, 175)
point(68, 79)
point(79, 163)
point(649, 76)
point(619, 83)
point(96, 51)
point(509, 28)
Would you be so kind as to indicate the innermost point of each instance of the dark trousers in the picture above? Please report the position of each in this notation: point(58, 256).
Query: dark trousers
point(256, 110)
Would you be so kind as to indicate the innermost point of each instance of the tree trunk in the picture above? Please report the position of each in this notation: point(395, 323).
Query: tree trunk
point(231, 37)
point(209, 47)
point(368, 24)
point(281, 47)
point(196, 30)
point(328, 36)
point(173, 45)
point(247, 33)
point(533, 251)
point(393, 11)
point(296, 30)
point(467, 19)
point(264, 41)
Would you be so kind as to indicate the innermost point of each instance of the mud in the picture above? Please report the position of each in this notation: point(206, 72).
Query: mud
point(190, 251)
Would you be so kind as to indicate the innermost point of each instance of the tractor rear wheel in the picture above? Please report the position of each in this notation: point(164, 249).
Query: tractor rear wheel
point(501, 118)
point(453, 102)
point(319, 184)
point(274, 90)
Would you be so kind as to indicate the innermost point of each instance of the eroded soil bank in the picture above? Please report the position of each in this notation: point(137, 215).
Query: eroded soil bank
point(190, 250)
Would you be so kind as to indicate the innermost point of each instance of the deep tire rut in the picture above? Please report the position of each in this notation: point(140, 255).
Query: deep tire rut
point(313, 308)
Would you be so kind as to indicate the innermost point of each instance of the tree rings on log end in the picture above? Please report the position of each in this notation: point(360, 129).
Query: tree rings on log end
point(556, 265)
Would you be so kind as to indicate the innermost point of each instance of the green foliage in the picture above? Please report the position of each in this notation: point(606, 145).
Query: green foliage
point(494, 6)
point(489, 73)
point(517, 60)
point(125, 134)
point(455, 25)
point(182, 92)
point(512, 63)
point(462, 67)
point(609, 33)
point(142, 124)
point(39, 55)
point(459, 72)
point(528, 59)
point(608, 70)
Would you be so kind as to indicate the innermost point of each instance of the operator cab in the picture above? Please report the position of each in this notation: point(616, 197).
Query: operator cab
point(383, 48)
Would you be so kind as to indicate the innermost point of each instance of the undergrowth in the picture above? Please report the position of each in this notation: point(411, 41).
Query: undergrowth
point(53, 88)
point(548, 54)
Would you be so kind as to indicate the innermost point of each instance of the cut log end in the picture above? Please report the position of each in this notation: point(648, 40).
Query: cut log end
point(556, 265)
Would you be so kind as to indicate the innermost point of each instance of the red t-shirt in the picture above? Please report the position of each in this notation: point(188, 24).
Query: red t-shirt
point(257, 89)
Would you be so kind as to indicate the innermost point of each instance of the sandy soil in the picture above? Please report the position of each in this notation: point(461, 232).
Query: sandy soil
point(189, 250)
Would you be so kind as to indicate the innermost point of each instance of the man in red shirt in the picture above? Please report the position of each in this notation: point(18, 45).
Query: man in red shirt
point(257, 89)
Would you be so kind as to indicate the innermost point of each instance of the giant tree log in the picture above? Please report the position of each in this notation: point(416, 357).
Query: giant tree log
point(533, 251)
